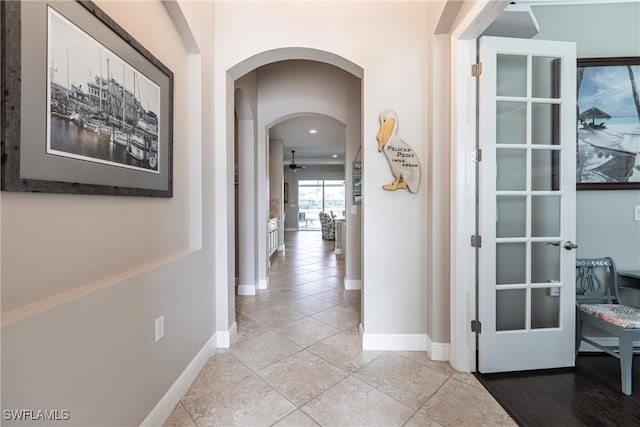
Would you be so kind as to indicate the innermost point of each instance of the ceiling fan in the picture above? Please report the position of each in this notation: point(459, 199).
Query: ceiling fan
point(294, 168)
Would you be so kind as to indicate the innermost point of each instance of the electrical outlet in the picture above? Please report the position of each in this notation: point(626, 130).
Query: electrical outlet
point(159, 328)
point(354, 210)
point(637, 215)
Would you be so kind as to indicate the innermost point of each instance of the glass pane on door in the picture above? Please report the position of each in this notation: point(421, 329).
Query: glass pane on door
point(512, 169)
point(545, 308)
point(545, 216)
point(545, 119)
point(511, 309)
point(511, 263)
point(544, 75)
point(545, 170)
point(512, 75)
point(511, 216)
point(545, 262)
point(511, 123)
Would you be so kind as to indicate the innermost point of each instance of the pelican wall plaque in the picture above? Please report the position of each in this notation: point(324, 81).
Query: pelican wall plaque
point(403, 161)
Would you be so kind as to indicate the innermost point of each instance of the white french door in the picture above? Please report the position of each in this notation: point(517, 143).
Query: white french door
point(527, 134)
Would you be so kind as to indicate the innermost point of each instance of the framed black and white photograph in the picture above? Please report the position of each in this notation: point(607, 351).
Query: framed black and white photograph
point(90, 109)
point(608, 124)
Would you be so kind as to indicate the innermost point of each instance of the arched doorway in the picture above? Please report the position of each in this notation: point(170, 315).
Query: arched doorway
point(253, 116)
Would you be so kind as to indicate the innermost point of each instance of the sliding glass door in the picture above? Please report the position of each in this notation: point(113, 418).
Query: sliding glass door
point(319, 195)
point(310, 204)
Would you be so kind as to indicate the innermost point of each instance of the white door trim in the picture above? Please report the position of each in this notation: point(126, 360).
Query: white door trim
point(463, 181)
point(463, 210)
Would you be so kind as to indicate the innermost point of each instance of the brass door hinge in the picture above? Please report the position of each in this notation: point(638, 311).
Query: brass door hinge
point(476, 155)
point(476, 70)
point(476, 326)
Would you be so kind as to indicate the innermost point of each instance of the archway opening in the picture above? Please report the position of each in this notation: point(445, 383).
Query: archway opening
point(264, 100)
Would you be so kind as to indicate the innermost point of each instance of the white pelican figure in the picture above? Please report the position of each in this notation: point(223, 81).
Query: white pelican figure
point(401, 157)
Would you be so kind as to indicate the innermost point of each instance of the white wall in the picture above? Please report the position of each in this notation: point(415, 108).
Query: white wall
point(388, 41)
point(91, 349)
point(246, 226)
point(605, 223)
point(84, 277)
point(290, 87)
point(437, 234)
point(353, 221)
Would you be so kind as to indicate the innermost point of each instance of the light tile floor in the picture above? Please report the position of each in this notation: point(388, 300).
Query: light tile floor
point(298, 361)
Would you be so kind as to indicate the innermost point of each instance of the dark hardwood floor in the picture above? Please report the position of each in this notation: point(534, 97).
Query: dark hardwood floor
point(587, 395)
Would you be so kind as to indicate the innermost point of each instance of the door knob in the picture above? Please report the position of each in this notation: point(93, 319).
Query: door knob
point(570, 245)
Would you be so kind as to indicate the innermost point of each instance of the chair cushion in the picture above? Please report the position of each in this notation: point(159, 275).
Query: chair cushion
point(616, 314)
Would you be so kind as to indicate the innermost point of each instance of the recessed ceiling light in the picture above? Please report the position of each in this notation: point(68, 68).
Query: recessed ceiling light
point(334, 156)
point(313, 131)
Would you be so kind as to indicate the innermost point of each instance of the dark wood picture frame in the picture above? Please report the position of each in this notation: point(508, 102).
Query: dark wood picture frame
point(27, 108)
point(608, 124)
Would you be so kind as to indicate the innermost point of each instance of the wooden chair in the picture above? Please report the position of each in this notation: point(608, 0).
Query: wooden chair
point(598, 304)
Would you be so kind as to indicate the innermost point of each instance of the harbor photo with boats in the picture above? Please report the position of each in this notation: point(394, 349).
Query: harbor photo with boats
point(101, 109)
point(608, 124)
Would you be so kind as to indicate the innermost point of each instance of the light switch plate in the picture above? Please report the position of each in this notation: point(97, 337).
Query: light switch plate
point(637, 216)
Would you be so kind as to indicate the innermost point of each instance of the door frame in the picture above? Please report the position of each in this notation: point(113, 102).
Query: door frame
point(463, 204)
point(463, 295)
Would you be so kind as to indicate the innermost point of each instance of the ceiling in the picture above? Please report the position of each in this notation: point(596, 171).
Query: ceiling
point(311, 148)
point(319, 148)
point(518, 19)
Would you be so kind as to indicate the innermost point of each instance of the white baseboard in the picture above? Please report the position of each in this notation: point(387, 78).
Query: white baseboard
point(394, 342)
point(405, 342)
point(226, 338)
point(263, 283)
point(352, 284)
point(162, 411)
point(281, 248)
point(438, 350)
point(246, 290)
